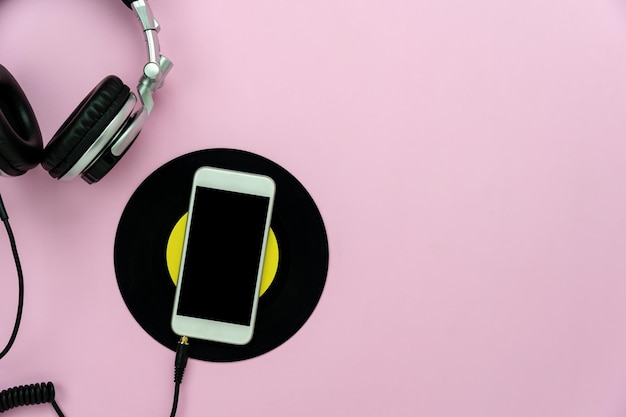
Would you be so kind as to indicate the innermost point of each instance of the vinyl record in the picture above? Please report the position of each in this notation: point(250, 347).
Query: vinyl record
point(146, 228)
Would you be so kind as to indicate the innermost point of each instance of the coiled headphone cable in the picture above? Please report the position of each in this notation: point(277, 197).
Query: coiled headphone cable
point(44, 392)
point(27, 395)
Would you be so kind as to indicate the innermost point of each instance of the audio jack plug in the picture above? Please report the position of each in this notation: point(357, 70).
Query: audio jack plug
point(182, 354)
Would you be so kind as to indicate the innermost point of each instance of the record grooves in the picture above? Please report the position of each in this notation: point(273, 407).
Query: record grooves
point(147, 222)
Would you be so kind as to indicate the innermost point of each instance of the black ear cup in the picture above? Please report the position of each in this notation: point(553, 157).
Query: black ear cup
point(85, 125)
point(20, 138)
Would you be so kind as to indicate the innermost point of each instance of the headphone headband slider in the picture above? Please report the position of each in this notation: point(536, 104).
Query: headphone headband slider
point(151, 28)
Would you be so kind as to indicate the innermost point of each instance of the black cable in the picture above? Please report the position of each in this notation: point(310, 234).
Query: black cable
point(20, 279)
point(175, 402)
point(44, 392)
point(28, 395)
point(182, 353)
point(23, 394)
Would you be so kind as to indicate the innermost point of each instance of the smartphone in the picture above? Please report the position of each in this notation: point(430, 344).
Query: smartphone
point(223, 252)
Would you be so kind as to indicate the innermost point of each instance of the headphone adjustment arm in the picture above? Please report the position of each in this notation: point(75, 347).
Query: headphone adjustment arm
point(151, 29)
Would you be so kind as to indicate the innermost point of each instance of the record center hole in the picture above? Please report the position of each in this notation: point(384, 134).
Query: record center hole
point(174, 251)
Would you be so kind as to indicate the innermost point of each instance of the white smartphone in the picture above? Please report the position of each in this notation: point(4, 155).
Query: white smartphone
point(223, 252)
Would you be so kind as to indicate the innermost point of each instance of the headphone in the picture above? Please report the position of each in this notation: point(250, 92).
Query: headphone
point(97, 133)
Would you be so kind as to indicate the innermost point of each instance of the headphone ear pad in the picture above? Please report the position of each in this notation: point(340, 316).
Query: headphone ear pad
point(85, 125)
point(21, 147)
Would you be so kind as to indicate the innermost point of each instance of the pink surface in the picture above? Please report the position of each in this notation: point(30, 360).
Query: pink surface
point(468, 160)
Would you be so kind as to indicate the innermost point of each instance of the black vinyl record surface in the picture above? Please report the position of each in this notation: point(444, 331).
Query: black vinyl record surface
point(146, 225)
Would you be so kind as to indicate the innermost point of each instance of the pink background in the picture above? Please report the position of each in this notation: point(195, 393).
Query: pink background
point(468, 159)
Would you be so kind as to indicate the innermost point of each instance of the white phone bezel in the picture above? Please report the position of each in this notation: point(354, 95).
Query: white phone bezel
point(236, 181)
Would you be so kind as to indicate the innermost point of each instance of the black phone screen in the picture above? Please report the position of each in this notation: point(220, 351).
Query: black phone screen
point(223, 254)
